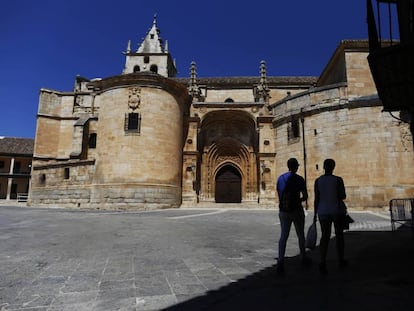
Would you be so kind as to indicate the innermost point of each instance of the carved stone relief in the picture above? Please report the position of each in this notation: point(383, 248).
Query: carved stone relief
point(134, 98)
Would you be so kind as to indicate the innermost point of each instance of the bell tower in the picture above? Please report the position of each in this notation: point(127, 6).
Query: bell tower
point(151, 56)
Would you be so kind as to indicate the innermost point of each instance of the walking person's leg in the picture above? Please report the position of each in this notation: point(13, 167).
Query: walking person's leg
point(299, 222)
point(285, 224)
point(326, 224)
point(340, 243)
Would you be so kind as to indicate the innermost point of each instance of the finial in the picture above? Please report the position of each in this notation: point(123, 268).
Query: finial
point(155, 19)
point(263, 72)
point(193, 88)
point(128, 50)
point(193, 81)
point(193, 70)
point(262, 90)
point(166, 46)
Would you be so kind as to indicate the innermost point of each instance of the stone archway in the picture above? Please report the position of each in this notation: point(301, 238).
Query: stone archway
point(228, 185)
point(227, 144)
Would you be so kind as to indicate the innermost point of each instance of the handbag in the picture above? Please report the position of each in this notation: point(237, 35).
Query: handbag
point(311, 236)
point(345, 220)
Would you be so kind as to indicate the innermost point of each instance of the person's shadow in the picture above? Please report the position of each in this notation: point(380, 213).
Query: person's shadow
point(380, 276)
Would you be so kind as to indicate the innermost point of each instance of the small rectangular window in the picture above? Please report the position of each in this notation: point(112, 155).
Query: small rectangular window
point(92, 141)
point(1, 164)
point(293, 130)
point(66, 173)
point(133, 122)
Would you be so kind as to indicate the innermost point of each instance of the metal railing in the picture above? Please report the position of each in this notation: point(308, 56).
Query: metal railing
point(402, 212)
point(22, 197)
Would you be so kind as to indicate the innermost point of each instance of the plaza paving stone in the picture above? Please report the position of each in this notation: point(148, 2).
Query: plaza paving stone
point(192, 259)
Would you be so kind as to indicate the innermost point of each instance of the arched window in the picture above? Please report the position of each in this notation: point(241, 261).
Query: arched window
point(229, 100)
point(137, 69)
point(154, 68)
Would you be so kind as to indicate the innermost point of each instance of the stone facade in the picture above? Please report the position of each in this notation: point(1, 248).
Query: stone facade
point(146, 139)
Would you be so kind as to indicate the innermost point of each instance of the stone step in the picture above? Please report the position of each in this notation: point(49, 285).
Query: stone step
point(243, 205)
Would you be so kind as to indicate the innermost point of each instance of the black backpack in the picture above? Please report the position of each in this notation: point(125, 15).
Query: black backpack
point(290, 200)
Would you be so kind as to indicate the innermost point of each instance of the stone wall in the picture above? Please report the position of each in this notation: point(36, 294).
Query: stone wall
point(367, 144)
point(131, 169)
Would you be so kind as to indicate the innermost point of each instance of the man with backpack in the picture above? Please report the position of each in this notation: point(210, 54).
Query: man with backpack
point(291, 189)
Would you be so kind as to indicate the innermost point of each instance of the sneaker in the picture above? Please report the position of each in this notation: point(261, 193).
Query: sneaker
point(322, 268)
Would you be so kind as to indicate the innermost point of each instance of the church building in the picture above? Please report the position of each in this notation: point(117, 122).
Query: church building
point(146, 139)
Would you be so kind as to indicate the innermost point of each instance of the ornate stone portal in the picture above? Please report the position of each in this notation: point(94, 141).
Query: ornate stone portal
point(228, 142)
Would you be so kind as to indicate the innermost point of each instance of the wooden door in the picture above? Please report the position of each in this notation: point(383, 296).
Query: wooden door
point(228, 185)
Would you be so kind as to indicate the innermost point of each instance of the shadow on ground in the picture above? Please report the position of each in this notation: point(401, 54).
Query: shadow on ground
point(380, 277)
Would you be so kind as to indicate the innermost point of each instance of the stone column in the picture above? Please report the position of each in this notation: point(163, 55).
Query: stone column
point(189, 183)
point(10, 179)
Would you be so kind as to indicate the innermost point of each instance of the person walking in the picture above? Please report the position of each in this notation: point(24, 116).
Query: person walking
point(291, 189)
point(329, 193)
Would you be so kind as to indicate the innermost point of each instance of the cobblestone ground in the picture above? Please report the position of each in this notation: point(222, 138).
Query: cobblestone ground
point(183, 259)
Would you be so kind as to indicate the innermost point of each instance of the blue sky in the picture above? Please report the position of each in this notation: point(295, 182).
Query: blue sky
point(46, 43)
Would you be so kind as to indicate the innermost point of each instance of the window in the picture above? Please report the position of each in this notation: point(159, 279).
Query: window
point(17, 168)
point(1, 164)
point(92, 141)
point(66, 174)
point(133, 122)
point(137, 69)
point(146, 59)
point(42, 179)
point(229, 100)
point(293, 130)
point(154, 69)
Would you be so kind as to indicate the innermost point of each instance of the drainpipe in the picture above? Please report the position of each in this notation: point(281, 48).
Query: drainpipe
point(302, 120)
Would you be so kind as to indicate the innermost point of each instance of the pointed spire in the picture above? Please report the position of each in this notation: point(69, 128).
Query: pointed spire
point(262, 90)
point(193, 88)
point(193, 73)
point(263, 77)
point(152, 42)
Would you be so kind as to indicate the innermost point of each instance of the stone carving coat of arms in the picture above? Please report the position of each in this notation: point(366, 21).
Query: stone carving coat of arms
point(134, 97)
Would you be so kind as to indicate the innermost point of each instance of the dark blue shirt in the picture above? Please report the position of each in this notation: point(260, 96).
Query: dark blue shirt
point(297, 184)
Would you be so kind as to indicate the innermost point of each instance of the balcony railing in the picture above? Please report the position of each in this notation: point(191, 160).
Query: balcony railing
point(392, 62)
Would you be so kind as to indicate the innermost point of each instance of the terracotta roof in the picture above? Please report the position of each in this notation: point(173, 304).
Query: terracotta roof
point(16, 146)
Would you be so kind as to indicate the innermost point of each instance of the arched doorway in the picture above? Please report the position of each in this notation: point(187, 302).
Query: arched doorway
point(227, 144)
point(228, 185)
